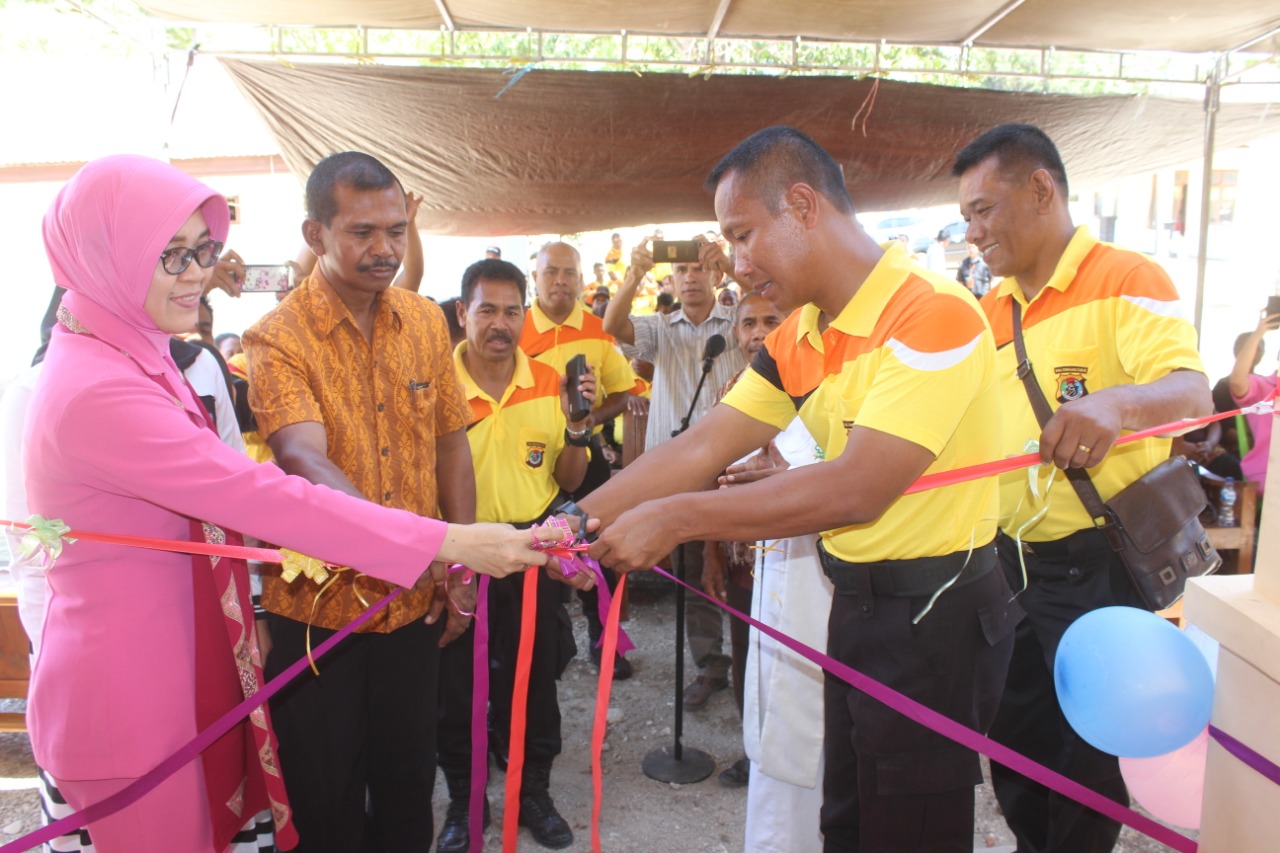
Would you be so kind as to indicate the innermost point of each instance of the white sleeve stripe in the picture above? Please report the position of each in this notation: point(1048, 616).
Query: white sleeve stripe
point(1163, 307)
point(932, 361)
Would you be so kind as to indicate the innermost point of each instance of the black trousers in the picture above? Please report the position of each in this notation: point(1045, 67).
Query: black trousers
point(890, 784)
point(363, 731)
point(552, 651)
point(1078, 574)
point(597, 475)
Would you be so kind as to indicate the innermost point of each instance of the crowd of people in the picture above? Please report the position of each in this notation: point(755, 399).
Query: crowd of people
point(797, 378)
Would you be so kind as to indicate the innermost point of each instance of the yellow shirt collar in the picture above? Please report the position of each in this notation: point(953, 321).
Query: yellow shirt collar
point(544, 324)
point(1082, 243)
point(521, 378)
point(860, 315)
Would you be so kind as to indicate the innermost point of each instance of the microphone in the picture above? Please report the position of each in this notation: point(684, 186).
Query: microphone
point(715, 346)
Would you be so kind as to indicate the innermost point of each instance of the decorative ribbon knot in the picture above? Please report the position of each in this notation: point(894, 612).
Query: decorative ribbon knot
point(293, 564)
point(45, 537)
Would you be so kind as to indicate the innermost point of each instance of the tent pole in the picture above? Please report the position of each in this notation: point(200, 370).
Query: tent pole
point(1212, 92)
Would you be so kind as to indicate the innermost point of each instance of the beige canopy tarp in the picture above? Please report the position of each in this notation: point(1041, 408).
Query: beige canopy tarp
point(567, 151)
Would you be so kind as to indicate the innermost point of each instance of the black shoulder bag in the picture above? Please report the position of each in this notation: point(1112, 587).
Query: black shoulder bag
point(1153, 524)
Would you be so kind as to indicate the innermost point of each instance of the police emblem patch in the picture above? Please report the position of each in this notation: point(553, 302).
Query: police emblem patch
point(535, 452)
point(1072, 381)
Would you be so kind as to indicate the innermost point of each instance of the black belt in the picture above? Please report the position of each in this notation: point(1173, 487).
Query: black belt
point(1082, 542)
point(909, 578)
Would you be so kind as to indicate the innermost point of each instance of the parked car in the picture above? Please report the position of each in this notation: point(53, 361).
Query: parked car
point(957, 248)
point(889, 229)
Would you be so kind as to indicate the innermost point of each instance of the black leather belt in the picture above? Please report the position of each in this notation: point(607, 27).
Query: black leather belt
point(908, 578)
point(1077, 544)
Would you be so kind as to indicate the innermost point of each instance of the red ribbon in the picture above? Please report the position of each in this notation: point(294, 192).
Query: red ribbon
point(519, 712)
point(602, 708)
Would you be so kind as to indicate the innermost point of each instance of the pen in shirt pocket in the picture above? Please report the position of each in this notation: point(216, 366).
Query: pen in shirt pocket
point(419, 386)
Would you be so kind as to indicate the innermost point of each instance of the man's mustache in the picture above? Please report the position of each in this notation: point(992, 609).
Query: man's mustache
point(377, 265)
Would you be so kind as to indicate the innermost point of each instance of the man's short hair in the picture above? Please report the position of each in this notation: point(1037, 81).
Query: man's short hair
point(225, 336)
point(491, 269)
point(943, 236)
point(665, 299)
point(1022, 147)
point(356, 169)
point(776, 158)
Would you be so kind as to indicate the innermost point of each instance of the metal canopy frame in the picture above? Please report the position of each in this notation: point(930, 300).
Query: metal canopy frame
point(1212, 71)
point(964, 62)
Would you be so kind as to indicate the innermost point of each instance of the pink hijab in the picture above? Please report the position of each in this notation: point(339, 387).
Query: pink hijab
point(104, 234)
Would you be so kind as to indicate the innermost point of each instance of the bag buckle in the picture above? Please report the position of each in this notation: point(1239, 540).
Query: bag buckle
point(1024, 368)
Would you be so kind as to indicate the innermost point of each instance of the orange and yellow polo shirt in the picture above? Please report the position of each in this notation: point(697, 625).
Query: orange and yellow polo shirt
point(515, 441)
point(1106, 317)
point(581, 333)
point(910, 355)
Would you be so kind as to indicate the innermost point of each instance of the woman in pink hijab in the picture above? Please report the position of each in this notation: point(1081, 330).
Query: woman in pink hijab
point(141, 649)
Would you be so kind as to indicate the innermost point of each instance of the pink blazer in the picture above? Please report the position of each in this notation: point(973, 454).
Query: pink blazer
point(109, 450)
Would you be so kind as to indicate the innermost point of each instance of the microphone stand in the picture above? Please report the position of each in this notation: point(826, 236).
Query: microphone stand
point(697, 392)
point(677, 764)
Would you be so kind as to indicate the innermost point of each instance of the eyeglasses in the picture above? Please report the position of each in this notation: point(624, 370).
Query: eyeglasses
point(176, 261)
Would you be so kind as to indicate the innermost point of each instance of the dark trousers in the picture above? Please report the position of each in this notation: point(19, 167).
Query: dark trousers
point(365, 728)
point(703, 621)
point(453, 715)
point(891, 785)
point(597, 475)
point(551, 654)
point(1066, 580)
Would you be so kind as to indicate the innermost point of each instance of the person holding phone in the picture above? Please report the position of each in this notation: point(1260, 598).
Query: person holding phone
point(1248, 388)
point(675, 344)
point(141, 648)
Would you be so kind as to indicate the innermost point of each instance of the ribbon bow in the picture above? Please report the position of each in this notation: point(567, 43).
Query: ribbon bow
point(45, 537)
point(293, 564)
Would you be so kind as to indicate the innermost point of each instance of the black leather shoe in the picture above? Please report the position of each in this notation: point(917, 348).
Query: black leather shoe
point(545, 823)
point(621, 666)
point(455, 835)
point(736, 775)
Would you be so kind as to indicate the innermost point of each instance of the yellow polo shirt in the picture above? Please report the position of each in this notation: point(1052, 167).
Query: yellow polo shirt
point(582, 333)
point(910, 355)
point(1106, 317)
point(515, 441)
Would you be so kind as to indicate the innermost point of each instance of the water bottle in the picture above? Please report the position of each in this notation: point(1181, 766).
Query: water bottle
point(1227, 504)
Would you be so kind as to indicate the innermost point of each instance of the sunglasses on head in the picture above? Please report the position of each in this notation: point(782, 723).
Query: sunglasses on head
point(176, 261)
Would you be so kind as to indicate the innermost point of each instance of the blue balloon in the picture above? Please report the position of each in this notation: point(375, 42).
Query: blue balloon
point(1131, 683)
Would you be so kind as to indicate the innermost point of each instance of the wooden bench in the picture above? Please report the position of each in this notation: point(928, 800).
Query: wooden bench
point(15, 665)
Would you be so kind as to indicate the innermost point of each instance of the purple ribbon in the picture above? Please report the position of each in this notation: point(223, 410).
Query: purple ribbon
point(479, 718)
point(143, 785)
point(963, 735)
point(1257, 761)
point(570, 566)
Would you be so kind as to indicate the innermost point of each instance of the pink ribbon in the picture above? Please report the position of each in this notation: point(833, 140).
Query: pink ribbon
point(479, 718)
point(580, 562)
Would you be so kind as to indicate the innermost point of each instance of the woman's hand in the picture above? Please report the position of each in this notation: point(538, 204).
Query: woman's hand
point(496, 550)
